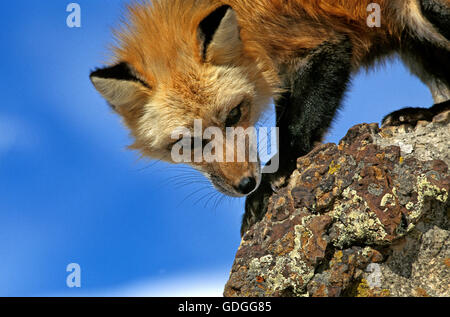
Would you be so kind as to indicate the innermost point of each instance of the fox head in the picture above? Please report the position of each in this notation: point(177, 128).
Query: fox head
point(181, 60)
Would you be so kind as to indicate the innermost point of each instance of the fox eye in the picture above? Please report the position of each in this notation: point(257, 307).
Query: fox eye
point(234, 116)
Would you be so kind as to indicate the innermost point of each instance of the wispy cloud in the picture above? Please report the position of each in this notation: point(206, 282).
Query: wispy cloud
point(8, 133)
point(15, 133)
point(209, 284)
point(204, 284)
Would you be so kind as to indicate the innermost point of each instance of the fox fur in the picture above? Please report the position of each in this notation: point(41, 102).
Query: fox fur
point(177, 60)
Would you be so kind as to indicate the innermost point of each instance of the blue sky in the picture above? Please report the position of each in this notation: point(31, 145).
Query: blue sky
point(71, 192)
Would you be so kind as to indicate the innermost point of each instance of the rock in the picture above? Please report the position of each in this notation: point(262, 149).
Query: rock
point(366, 217)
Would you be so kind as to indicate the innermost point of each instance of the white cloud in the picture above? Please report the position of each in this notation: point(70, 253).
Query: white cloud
point(195, 285)
point(15, 133)
point(177, 287)
point(8, 134)
point(205, 284)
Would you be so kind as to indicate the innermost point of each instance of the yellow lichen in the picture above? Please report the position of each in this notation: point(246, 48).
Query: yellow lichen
point(426, 189)
point(355, 220)
point(292, 261)
point(387, 199)
point(409, 205)
point(363, 290)
point(334, 168)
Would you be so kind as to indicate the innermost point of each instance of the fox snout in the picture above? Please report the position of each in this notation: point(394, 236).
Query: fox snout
point(237, 170)
point(235, 179)
point(246, 185)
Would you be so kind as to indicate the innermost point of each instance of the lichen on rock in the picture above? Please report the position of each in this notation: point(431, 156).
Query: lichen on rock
point(366, 217)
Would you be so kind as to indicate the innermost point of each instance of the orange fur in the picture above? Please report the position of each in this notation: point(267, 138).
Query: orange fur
point(161, 41)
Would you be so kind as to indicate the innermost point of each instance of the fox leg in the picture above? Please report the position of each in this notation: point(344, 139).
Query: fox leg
point(314, 93)
point(438, 13)
point(430, 62)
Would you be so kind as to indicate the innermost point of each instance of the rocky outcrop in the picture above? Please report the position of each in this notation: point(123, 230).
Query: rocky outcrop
point(366, 217)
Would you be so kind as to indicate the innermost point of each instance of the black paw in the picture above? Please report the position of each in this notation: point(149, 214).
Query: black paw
point(411, 116)
point(407, 116)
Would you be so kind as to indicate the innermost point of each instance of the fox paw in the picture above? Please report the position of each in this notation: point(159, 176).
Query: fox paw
point(411, 116)
point(407, 116)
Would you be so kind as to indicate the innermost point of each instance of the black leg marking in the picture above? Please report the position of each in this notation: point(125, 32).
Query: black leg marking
point(438, 13)
point(430, 63)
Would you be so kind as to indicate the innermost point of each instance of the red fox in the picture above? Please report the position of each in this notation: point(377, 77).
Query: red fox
point(223, 61)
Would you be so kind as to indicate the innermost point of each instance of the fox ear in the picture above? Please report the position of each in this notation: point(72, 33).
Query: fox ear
point(219, 36)
point(118, 84)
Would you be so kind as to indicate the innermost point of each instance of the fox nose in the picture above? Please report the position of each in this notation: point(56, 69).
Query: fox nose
point(247, 185)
